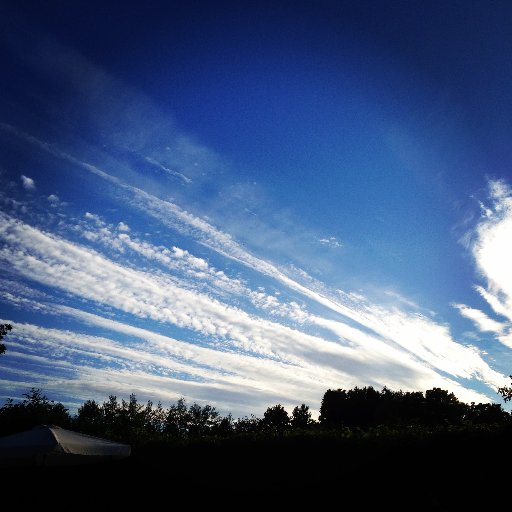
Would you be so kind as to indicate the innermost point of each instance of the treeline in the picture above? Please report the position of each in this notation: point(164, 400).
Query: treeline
point(354, 412)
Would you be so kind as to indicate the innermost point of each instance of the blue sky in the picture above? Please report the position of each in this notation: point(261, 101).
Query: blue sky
point(246, 204)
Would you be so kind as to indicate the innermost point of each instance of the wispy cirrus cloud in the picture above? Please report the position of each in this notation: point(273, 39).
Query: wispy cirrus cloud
point(204, 276)
point(491, 248)
point(164, 276)
point(483, 322)
point(402, 350)
point(28, 183)
point(403, 335)
point(331, 242)
point(169, 171)
point(94, 277)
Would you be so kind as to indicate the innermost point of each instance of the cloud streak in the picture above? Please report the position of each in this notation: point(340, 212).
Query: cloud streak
point(259, 354)
point(492, 252)
point(492, 249)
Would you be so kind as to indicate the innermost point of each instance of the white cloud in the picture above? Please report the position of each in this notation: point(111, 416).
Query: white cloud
point(54, 199)
point(95, 218)
point(192, 267)
point(28, 183)
point(492, 249)
point(493, 301)
point(162, 368)
point(425, 341)
point(89, 275)
point(173, 216)
point(171, 172)
point(123, 227)
point(373, 345)
point(397, 351)
point(506, 338)
point(480, 319)
point(331, 241)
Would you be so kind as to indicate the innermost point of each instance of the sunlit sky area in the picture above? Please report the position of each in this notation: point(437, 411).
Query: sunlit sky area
point(245, 204)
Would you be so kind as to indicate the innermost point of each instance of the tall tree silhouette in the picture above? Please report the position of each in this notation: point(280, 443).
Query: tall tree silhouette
point(4, 329)
point(355, 407)
point(275, 419)
point(301, 417)
point(442, 408)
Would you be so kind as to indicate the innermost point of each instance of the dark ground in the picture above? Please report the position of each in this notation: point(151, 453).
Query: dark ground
point(447, 474)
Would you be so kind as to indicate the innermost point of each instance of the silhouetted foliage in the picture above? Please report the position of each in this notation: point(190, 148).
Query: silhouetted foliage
point(131, 421)
point(177, 420)
point(275, 419)
point(345, 414)
point(202, 420)
point(128, 420)
point(356, 407)
point(367, 407)
point(486, 414)
point(224, 427)
point(89, 418)
point(401, 436)
point(506, 392)
point(301, 417)
point(35, 409)
point(247, 425)
point(442, 408)
point(155, 418)
point(4, 329)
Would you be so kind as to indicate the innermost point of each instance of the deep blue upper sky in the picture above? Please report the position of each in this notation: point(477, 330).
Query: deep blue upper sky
point(322, 186)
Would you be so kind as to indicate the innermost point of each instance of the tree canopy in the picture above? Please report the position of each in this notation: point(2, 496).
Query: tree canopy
point(357, 410)
point(4, 329)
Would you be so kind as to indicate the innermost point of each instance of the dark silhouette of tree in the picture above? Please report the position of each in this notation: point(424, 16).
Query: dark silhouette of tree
point(248, 425)
point(35, 409)
point(89, 419)
point(154, 418)
point(506, 392)
point(133, 422)
point(442, 408)
point(332, 408)
point(486, 414)
point(367, 407)
point(275, 419)
point(130, 422)
point(355, 407)
point(202, 420)
point(110, 411)
point(177, 420)
point(301, 417)
point(225, 427)
point(4, 329)
point(399, 407)
point(358, 413)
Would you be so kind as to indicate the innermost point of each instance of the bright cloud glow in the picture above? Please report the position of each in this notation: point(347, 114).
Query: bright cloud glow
point(492, 249)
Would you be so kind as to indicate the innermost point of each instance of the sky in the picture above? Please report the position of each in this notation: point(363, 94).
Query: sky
point(245, 204)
